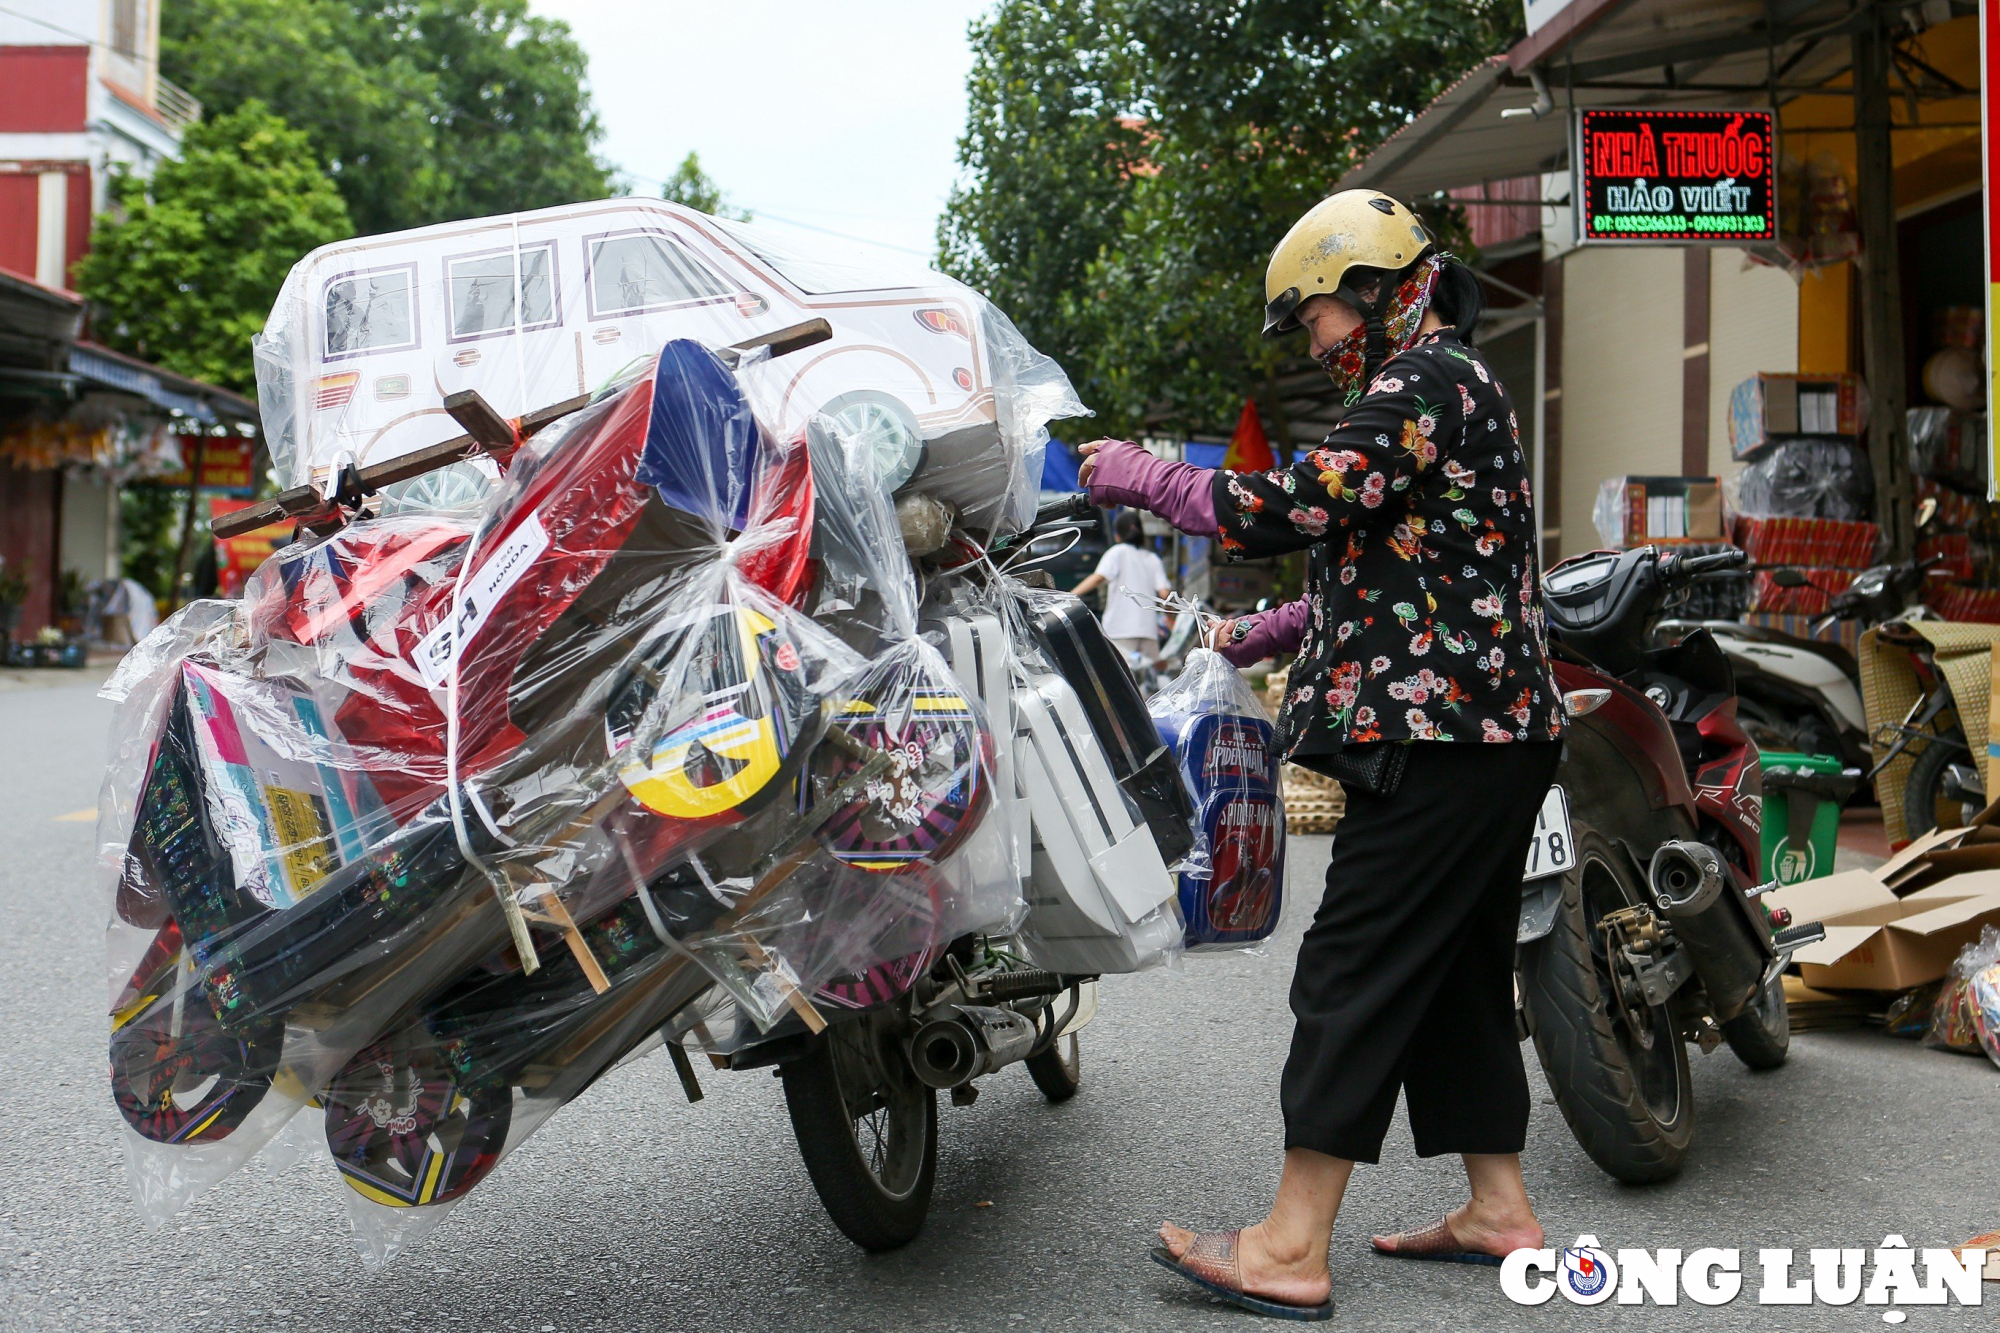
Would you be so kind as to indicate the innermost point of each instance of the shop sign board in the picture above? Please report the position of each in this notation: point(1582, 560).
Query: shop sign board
point(228, 464)
point(1676, 176)
point(1989, 61)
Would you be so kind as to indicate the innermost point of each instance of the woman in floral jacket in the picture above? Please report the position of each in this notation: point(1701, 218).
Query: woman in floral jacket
point(1421, 622)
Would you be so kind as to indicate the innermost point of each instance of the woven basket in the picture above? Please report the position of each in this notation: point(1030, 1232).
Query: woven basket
point(1314, 803)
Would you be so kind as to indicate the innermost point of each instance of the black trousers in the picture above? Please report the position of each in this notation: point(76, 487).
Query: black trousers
point(1405, 978)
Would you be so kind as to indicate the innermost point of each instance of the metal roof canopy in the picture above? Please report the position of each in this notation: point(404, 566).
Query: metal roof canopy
point(1710, 53)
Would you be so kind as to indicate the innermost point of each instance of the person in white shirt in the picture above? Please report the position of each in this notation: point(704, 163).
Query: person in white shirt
point(1135, 577)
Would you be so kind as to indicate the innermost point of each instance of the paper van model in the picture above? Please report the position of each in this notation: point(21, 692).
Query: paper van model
point(369, 336)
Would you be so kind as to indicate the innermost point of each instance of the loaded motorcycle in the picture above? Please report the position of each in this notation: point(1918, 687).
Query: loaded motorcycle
point(481, 905)
point(1641, 929)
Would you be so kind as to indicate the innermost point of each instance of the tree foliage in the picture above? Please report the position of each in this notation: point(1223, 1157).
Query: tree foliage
point(693, 187)
point(183, 271)
point(421, 110)
point(1132, 162)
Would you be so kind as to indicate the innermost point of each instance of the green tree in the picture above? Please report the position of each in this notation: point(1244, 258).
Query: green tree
point(369, 119)
point(693, 187)
point(1244, 112)
point(515, 126)
point(1050, 147)
point(184, 268)
point(421, 110)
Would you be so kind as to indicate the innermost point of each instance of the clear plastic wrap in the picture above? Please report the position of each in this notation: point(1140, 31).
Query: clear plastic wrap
point(1806, 478)
point(1232, 881)
point(456, 807)
point(1966, 1014)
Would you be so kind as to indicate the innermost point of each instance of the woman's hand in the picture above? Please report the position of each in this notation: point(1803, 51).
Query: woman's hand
point(1223, 634)
point(1089, 452)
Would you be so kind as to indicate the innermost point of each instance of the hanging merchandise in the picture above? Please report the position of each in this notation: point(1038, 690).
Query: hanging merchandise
point(1232, 882)
point(687, 695)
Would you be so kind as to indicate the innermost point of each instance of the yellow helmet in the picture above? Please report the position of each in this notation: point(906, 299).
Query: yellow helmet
point(1348, 230)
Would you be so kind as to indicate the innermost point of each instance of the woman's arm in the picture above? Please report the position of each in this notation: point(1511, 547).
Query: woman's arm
point(1119, 472)
point(1280, 630)
point(1091, 583)
point(1367, 468)
point(1368, 464)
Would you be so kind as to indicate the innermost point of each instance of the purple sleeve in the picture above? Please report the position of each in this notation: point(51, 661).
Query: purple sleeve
point(1280, 630)
point(1181, 493)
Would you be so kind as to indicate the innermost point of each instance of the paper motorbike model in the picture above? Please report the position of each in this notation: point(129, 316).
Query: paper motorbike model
point(285, 891)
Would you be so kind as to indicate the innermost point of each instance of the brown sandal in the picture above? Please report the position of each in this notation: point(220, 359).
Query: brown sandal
point(1438, 1244)
point(1210, 1263)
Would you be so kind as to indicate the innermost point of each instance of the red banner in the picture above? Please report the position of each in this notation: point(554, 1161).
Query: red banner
point(236, 558)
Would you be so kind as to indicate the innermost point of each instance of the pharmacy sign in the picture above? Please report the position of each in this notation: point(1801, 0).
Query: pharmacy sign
point(1677, 176)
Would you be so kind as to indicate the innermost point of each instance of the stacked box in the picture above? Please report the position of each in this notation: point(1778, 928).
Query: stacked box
point(1822, 585)
point(1828, 543)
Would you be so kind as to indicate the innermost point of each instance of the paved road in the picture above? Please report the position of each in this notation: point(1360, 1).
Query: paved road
point(634, 1210)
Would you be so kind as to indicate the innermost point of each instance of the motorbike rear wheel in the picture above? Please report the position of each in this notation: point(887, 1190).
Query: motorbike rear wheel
point(1933, 795)
point(867, 1129)
point(1619, 1074)
point(1058, 1071)
point(1761, 1036)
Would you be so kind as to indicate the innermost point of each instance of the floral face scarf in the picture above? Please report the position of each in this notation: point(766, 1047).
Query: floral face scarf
point(1347, 360)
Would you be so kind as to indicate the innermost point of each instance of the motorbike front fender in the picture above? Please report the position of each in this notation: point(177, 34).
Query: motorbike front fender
point(1540, 900)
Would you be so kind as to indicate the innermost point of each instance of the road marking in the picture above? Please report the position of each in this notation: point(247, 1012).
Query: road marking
point(77, 817)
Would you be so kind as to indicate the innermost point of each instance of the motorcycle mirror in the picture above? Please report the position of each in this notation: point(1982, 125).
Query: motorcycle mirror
point(1926, 511)
point(1788, 577)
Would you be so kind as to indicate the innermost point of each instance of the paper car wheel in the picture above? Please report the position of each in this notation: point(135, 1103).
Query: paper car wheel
point(724, 742)
point(179, 1076)
point(932, 796)
point(406, 1132)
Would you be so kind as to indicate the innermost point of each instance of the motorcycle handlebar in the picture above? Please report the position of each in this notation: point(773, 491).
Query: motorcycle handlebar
point(1694, 566)
point(1064, 509)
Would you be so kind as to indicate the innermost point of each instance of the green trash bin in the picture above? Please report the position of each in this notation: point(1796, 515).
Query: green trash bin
point(1803, 794)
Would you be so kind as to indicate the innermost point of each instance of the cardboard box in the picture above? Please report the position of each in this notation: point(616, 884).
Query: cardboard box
point(1878, 940)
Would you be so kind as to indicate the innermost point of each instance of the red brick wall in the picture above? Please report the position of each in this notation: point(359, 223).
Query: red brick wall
point(18, 223)
point(78, 239)
point(44, 89)
point(1493, 221)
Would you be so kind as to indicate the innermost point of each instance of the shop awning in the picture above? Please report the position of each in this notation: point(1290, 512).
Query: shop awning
point(1711, 53)
point(204, 402)
point(34, 321)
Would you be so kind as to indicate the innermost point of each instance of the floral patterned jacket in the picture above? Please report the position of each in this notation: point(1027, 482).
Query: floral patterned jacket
point(1425, 602)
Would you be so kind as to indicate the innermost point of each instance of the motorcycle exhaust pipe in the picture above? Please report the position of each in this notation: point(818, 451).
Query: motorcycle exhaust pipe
point(967, 1041)
point(1730, 951)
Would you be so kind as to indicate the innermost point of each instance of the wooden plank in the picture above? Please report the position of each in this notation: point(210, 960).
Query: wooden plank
point(493, 432)
point(487, 432)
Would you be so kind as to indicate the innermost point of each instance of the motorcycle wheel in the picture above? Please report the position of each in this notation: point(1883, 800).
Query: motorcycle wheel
point(1058, 1071)
point(867, 1129)
point(1930, 798)
point(1622, 1083)
point(1761, 1036)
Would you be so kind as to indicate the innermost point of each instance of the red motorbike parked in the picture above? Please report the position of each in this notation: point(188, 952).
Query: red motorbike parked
point(1641, 927)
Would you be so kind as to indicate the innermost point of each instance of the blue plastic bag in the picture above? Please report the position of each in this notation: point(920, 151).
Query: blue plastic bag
point(1232, 883)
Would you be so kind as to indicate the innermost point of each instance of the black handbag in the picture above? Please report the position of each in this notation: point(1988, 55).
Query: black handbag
point(1375, 767)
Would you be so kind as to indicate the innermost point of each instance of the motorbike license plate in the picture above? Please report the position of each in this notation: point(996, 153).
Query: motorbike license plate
point(1554, 848)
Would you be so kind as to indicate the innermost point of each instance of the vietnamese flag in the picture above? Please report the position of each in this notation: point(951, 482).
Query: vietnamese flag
point(1249, 450)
